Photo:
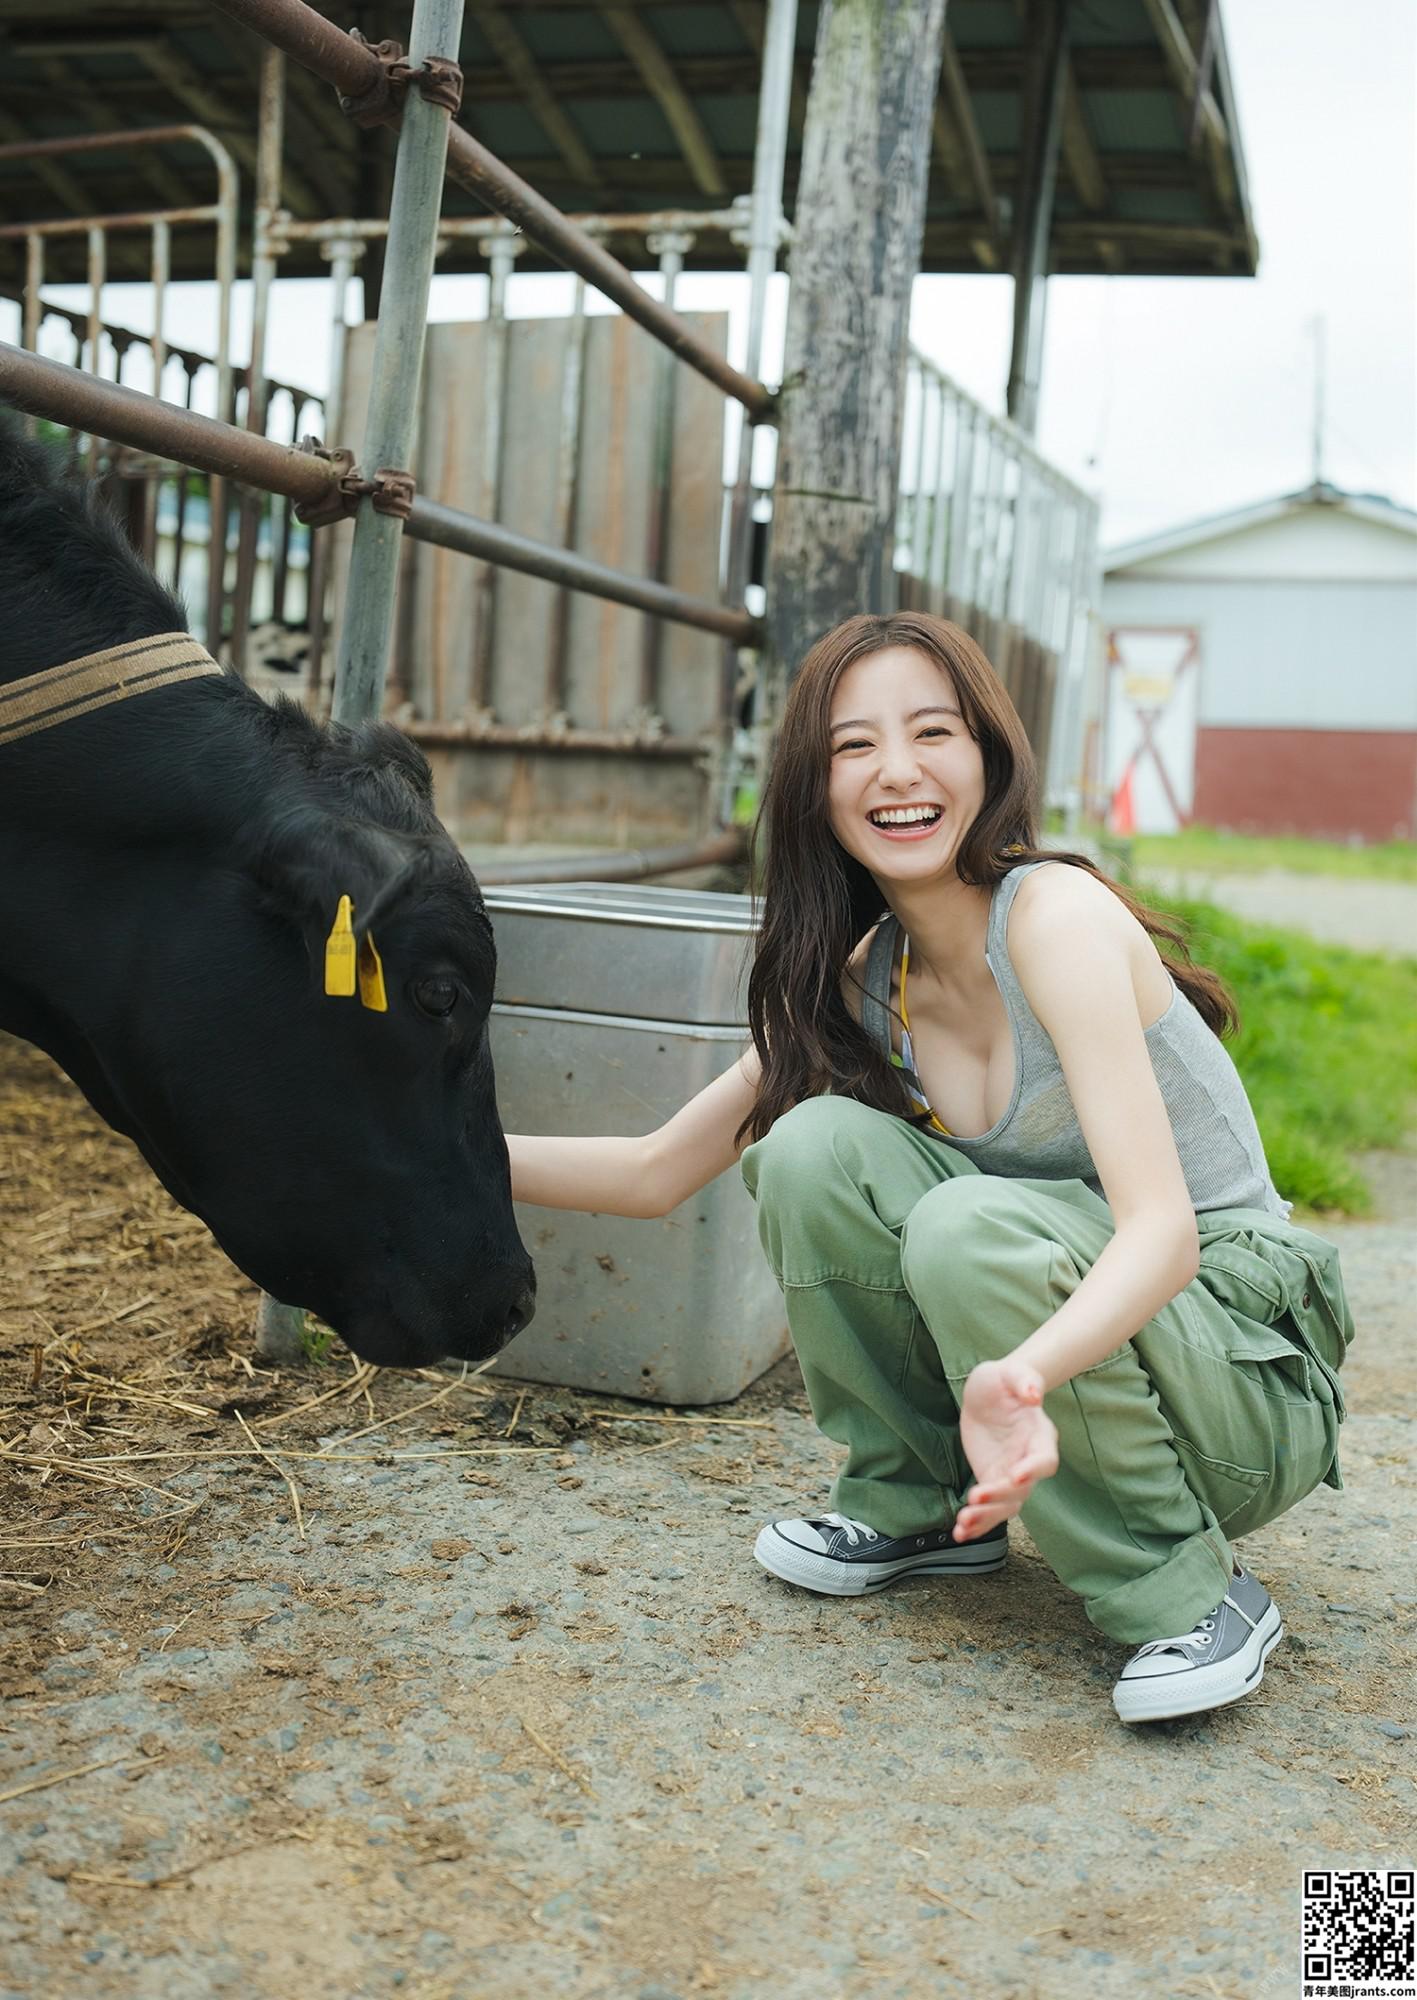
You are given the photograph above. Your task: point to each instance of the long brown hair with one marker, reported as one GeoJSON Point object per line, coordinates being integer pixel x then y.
{"type": "Point", "coordinates": [819, 901]}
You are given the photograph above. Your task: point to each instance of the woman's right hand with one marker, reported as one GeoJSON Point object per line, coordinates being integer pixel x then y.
{"type": "Point", "coordinates": [1009, 1440]}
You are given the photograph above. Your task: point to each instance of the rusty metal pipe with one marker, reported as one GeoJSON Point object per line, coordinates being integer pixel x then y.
{"type": "Point", "coordinates": [508, 736]}
{"type": "Point", "coordinates": [313, 41]}
{"type": "Point", "coordinates": [431, 522]}
{"type": "Point", "coordinates": [49, 389]}
{"type": "Point", "coordinates": [112, 142]}
{"type": "Point", "coordinates": [127, 416]}
{"type": "Point", "coordinates": [80, 225]}
{"type": "Point", "coordinates": [320, 46]}
{"type": "Point", "coordinates": [483, 174]}
{"type": "Point", "coordinates": [629, 865]}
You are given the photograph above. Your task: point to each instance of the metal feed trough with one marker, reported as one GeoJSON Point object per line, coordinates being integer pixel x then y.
{"type": "Point", "coordinates": [683, 1308]}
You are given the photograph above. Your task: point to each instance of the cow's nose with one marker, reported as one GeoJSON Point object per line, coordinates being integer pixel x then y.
{"type": "Point", "coordinates": [522, 1313]}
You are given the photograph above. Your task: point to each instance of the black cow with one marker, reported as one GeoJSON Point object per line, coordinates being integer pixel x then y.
{"type": "Point", "coordinates": [170, 869]}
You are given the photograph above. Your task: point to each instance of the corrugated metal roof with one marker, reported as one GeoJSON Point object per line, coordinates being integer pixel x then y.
{"type": "Point", "coordinates": [1134, 194]}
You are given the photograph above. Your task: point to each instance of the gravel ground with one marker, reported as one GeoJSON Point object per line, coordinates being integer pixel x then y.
{"type": "Point", "coordinates": [1339, 909]}
{"type": "Point", "coordinates": [520, 1715]}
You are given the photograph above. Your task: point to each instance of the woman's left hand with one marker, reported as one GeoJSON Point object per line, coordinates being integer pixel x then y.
{"type": "Point", "coordinates": [1009, 1441]}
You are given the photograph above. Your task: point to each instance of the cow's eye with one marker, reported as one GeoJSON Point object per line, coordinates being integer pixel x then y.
{"type": "Point", "coordinates": [435, 997]}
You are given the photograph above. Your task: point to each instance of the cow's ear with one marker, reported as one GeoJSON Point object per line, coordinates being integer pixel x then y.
{"type": "Point", "coordinates": [309, 860]}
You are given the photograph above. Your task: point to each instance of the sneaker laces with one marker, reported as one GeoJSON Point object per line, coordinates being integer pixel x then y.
{"type": "Point", "coordinates": [1201, 1634]}
{"type": "Point", "coordinates": [854, 1529]}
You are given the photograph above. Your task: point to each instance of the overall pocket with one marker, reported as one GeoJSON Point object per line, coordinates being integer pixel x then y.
{"type": "Point", "coordinates": [1230, 1491]}
{"type": "Point", "coordinates": [1241, 1279]}
{"type": "Point", "coordinates": [1301, 1414]}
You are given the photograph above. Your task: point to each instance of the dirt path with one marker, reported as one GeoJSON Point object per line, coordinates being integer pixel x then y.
{"type": "Point", "coordinates": [1338, 909]}
{"type": "Point", "coordinates": [519, 1715]}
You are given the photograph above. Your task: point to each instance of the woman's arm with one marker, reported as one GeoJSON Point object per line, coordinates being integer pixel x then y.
{"type": "Point", "coordinates": [1074, 948]}
{"type": "Point", "coordinates": [1073, 952]}
{"type": "Point", "coordinates": [644, 1176]}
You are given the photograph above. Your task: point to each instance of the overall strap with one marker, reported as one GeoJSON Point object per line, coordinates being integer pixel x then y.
{"type": "Point", "coordinates": [1035, 1045]}
{"type": "Point", "coordinates": [41, 701]}
{"type": "Point", "coordinates": [876, 1000]}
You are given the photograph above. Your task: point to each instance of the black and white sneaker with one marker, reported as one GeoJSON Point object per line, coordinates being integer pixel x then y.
{"type": "Point", "coordinates": [1220, 1660]}
{"type": "Point", "coordinates": [844, 1558]}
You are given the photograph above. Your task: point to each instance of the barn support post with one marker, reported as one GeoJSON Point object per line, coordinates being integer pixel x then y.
{"type": "Point", "coordinates": [855, 251]}
{"type": "Point", "coordinates": [1033, 216]}
{"type": "Point", "coordinates": [362, 662]}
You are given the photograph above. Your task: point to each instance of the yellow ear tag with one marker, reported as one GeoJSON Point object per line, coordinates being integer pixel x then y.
{"type": "Point", "coordinates": [339, 952]}
{"type": "Point", "coordinates": [371, 978]}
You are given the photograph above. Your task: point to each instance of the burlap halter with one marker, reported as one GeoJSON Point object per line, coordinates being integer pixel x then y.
{"type": "Point", "coordinates": [40, 701]}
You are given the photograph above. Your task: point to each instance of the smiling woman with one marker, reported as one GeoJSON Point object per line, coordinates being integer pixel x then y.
{"type": "Point", "coordinates": [1010, 1184]}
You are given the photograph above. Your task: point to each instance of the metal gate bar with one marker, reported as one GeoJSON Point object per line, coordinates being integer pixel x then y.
{"type": "Point", "coordinates": [126, 416]}
{"type": "Point", "coordinates": [356, 73]}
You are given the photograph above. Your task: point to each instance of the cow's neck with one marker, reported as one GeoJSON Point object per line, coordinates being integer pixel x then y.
{"type": "Point", "coordinates": [187, 763]}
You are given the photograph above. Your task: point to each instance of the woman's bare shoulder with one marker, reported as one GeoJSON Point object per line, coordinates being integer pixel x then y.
{"type": "Point", "coordinates": [1061, 895]}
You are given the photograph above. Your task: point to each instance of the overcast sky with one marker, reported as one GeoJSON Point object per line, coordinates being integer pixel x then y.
{"type": "Point", "coordinates": [1169, 397]}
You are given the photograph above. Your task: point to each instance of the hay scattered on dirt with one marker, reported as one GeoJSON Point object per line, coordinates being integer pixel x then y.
{"type": "Point", "coordinates": [127, 1356]}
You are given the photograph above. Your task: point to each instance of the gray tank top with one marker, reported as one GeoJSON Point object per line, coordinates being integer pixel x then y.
{"type": "Point", "coordinates": [1039, 1138]}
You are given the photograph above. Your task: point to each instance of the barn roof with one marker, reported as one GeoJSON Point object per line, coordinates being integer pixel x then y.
{"type": "Point", "coordinates": [646, 106]}
{"type": "Point", "coordinates": [1370, 507]}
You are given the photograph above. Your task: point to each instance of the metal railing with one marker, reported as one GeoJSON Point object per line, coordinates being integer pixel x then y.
{"type": "Point", "coordinates": [163, 523]}
{"type": "Point", "coordinates": [220, 215]}
{"type": "Point", "coordinates": [996, 538]}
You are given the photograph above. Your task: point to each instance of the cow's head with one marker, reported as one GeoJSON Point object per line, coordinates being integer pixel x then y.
{"type": "Point", "coordinates": [347, 1157]}
{"type": "Point", "coordinates": [170, 871]}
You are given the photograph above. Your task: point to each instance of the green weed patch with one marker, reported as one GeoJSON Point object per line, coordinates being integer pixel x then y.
{"type": "Point", "coordinates": [1326, 1049]}
{"type": "Point", "coordinates": [1203, 850]}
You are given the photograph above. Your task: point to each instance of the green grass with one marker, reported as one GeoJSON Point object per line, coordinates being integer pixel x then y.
{"type": "Point", "coordinates": [316, 1341]}
{"type": "Point", "coordinates": [1326, 1049]}
{"type": "Point", "coordinates": [1203, 850]}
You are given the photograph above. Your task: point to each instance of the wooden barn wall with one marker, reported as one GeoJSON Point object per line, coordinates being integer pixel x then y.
{"type": "Point", "coordinates": [439, 599]}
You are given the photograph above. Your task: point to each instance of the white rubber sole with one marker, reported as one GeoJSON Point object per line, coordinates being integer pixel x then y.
{"type": "Point", "coordinates": [1191, 1692]}
{"type": "Point", "coordinates": [830, 1578]}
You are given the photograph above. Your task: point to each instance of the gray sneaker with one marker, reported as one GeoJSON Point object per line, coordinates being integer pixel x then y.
{"type": "Point", "coordinates": [1220, 1660]}
{"type": "Point", "coordinates": [844, 1558]}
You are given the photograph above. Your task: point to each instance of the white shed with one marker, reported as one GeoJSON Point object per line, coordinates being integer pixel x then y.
{"type": "Point", "coordinates": [1262, 671]}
